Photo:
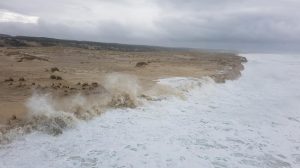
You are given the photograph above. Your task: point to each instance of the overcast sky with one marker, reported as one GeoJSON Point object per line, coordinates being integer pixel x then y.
{"type": "Point", "coordinates": [224, 24]}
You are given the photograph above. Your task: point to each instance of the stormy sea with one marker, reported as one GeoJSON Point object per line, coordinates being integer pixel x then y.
{"type": "Point", "coordinates": [250, 122]}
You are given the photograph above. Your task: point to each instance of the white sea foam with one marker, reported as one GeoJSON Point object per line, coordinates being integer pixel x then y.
{"type": "Point", "coordinates": [250, 122]}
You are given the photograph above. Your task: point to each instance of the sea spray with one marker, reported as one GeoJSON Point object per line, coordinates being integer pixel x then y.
{"type": "Point", "coordinates": [236, 124]}
{"type": "Point", "coordinates": [124, 89]}
{"type": "Point", "coordinates": [52, 113]}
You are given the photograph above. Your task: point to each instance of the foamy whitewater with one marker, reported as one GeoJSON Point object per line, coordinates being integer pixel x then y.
{"type": "Point", "coordinates": [250, 122]}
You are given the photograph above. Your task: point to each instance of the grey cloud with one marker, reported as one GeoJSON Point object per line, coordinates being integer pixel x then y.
{"type": "Point", "coordinates": [227, 24]}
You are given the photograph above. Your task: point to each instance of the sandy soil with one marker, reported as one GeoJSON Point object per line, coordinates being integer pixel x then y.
{"type": "Point", "coordinates": [66, 71]}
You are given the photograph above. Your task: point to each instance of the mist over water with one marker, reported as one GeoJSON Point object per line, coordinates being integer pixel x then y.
{"type": "Point", "coordinates": [250, 122]}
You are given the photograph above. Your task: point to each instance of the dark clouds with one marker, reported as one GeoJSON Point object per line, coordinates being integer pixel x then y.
{"type": "Point", "coordinates": [226, 24]}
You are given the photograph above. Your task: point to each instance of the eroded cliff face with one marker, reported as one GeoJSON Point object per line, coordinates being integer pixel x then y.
{"type": "Point", "coordinates": [82, 83]}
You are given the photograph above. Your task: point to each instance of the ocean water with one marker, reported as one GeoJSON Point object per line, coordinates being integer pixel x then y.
{"type": "Point", "coordinates": [246, 123]}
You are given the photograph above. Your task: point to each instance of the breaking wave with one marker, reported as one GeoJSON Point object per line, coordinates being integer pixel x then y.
{"type": "Point", "coordinates": [250, 122]}
{"type": "Point", "coordinates": [51, 114]}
